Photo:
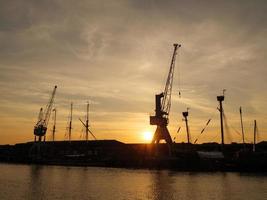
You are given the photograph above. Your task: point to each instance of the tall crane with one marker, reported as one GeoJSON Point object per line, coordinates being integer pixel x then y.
{"type": "Point", "coordinates": [41, 126]}
{"type": "Point", "coordinates": [163, 105]}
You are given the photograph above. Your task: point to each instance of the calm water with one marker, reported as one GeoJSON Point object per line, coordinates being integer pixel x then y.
{"type": "Point", "coordinates": [57, 182]}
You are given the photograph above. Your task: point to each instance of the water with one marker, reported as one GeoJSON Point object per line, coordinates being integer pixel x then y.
{"type": "Point", "coordinates": [59, 182]}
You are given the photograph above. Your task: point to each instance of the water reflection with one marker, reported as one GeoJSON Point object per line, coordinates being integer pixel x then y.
{"type": "Point", "coordinates": [56, 182]}
{"type": "Point", "coordinates": [36, 189]}
{"type": "Point", "coordinates": [162, 185]}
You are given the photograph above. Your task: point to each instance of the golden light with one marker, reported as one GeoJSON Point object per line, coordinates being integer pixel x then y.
{"type": "Point", "coordinates": [147, 136]}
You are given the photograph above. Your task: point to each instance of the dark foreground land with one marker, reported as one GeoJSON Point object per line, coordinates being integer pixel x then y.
{"type": "Point", "coordinates": [111, 153]}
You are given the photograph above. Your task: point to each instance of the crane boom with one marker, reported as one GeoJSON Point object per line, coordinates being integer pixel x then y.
{"type": "Point", "coordinates": [166, 101]}
{"type": "Point", "coordinates": [48, 108]}
{"type": "Point", "coordinates": [40, 116]}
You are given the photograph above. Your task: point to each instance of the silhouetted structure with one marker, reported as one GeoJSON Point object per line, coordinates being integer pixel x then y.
{"type": "Point", "coordinates": [41, 126]}
{"type": "Point", "coordinates": [242, 127]}
{"type": "Point", "coordinates": [221, 99]}
{"type": "Point", "coordinates": [54, 125]}
{"type": "Point", "coordinates": [111, 153]}
{"type": "Point", "coordinates": [255, 137]}
{"type": "Point", "coordinates": [163, 104]}
{"type": "Point", "coordinates": [70, 122]}
{"type": "Point", "coordinates": [86, 124]}
{"type": "Point", "coordinates": [185, 115]}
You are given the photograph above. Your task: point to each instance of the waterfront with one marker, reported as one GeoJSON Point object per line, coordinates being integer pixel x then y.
{"type": "Point", "coordinates": [60, 182]}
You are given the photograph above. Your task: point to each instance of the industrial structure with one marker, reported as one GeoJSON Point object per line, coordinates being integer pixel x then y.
{"type": "Point", "coordinates": [41, 126]}
{"type": "Point", "coordinates": [220, 99]}
{"type": "Point", "coordinates": [163, 105]}
{"type": "Point", "coordinates": [185, 115]}
{"type": "Point", "coordinates": [208, 156]}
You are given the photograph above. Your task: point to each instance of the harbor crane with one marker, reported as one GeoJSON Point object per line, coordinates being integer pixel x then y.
{"type": "Point", "coordinates": [163, 105]}
{"type": "Point", "coordinates": [41, 126]}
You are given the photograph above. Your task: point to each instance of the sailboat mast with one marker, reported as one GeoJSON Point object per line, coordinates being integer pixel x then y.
{"type": "Point", "coordinates": [87, 121]}
{"type": "Point", "coordinates": [70, 123]}
{"type": "Point", "coordinates": [242, 127]}
{"type": "Point", "coordinates": [255, 130]}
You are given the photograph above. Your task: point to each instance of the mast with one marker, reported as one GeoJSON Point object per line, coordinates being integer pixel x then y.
{"type": "Point", "coordinates": [87, 121]}
{"type": "Point", "coordinates": [254, 141]}
{"type": "Point", "coordinates": [86, 124]}
{"type": "Point", "coordinates": [54, 125]}
{"type": "Point", "coordinates": [242, 127]}
{"type": "Point", "coordinates": [70, 122]}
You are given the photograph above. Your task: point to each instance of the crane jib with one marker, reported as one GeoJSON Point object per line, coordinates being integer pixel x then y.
{"type": "Point", "coordinates": [166, 101]}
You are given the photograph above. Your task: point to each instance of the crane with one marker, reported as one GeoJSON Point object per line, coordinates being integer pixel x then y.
{"type": "Point", "coordinates": [163, 105]}
{"type": "Point", "coordinates": [41, 126]}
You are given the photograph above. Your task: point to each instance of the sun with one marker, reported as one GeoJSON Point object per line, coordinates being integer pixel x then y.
{"type": "Point", "coordinates": [147, 136]}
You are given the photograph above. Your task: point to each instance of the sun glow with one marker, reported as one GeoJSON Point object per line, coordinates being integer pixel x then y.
{"type": "Point", "coordinates": [147, 136]}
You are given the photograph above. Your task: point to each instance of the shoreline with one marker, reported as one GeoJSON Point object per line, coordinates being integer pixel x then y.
{"type": "Point", "coordinates": [111, 153]}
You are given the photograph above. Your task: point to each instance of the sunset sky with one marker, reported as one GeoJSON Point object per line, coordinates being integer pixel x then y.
{"type": "Point", "coordinates": [116, 54]}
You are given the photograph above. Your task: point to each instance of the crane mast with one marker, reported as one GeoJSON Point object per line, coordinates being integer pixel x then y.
{"type": "Point", "coordinates": [163, 105]}
{"type": "Point", "coordinates": [41, 126]}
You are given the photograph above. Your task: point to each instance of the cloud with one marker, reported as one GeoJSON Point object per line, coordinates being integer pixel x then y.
{"type": "Point", "coordinates": [117, 55]}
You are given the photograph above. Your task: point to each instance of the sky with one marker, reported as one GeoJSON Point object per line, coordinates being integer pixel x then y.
{"type": "Point", "coordinates": [116, 55]}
